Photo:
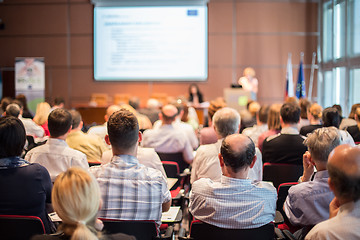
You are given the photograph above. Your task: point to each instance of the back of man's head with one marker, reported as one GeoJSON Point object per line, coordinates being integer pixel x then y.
{"type": "Point", "coordinates": [344, 172]}
{"type": "Point", "coordinates": [12, 110]}
{"type": "Point", "coordinates": [237, 151]}
{"type": "Point", "coordinates": [290, 113]}
{"type": "Point", "coordinates": [226, 121]}
{"type": "Point", "coordinates": [4, 102]}
{"type": "Point", "coordinates": [263, 114]}
{"type": "Point", "coordinates": [110, 110]}
{"type": "Point", "coordinates": [169, 113]}
{"type": "Point", "coordinates": [134, 102]}
{"type": "Point", "coordinates": [76, 118]}
{"type": "Point", "coordinates": [331, 117]}
{"type": "Point", "coordinates": [12, 137]}
{"type": "Point", "coordinates": [123, 130]}
{"type": "Point", "coordinates": [59, 122]}
{"type": "Point", "coordinates": [322, 141]}
{"type": "Point", "coordinates": [58, 101]}
{"type": "Point", "coordinates": [152, 103]}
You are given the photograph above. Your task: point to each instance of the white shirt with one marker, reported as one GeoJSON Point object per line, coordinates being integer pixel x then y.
{"type": "Point", "coordinates": [346, 138]}
{"type": "Point", "coordinates": [100, 131]}
{"type": "Point", "coordinates": [345, 225]}
{"type": "Point", "coordinates": [168, 139]}
{"type": "Point", "coordinates": [146, 156]}
{"type": "Point", "coordinates": [56, 156]}
{"type": "Point", "coordinates": [233, 203]}
{"type": "Point", "coordinates": [206, 164]}
{"type": "Point", "coordinates": [31, 128]}
{"type": "Point", "coordinates": [255, 131]}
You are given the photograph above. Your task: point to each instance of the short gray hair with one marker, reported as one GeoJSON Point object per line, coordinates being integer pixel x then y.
{"type": "Point", "coordinates": [322, 141]}
{"type": "Point", "coordinates": [226, 121]}
{"type": "Point", "coordinates": [12, 110]}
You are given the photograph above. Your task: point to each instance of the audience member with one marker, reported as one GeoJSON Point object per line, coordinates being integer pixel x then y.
{"type": "Point", "coordinates": [130, 191]}
{"type": "Point", "coordinates": [286, 147]}
{"type": "Point", "coordinates": [236, 202]}
{"type": "Point", "coordinates": [314, 114]}
{"type": "Point", "coordinates": [31, 128]}
{"type": "Point", "coordinates": [273, 123]}
{"type": "Point", "coordinates": [152, 110]}
{"type": "Point", "coordinates": [4, 102]}
{"type": "Point", "coordinates": [12, 110]}
{"type": "Point", "coordinates": [25, 187]}
{"type": "Point", "coordinates": [26, 112]}
{"type": "Point", "coordinates": [90, 145]}
{"type": "Point", "coordinates": [355, 130]}
{"type": "Point", "coordinates": [350, 121]}
{"type": "Point", "coordinates": [59, 102]}
{"type": "Point", "coordinates": [195, 96]}
{"type": "Point", "coordinates": [41, 116]}
{"type": "Point", "coordinates": [144, 121]}
{"type": "Point", "coordinates": [248, 116]}
{"type": "Point", "coordinates": [331, 118]}
{"type": "Point", "coordinates": [101, 130]}
{"type": "Point", "coordinates": [308, 202]}
{"type": "Point", "coordinates": [77, 210]}
{"type": "Point", "coordinates": [208, 134]}
{"type": "Point", "coordinates": [56, 156]}
{"type": "Point", "coordinates": [304, 104]}
{"type": "Point", "coordinates": [168, 138]}
{"type": "Point", "coordinates": [344, 181]}
{"type": "Point", "coordinates": [260, 127]}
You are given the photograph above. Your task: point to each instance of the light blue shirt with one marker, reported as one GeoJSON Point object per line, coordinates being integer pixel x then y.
{"type": "Point", "coordinates": [308, 203]}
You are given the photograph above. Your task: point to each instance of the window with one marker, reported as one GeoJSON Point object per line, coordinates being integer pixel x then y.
{"type": "Point", "coordinates": [355, 86]}
{"type": "Point", "coordinates": [327, 32]}
{"type": "Point", "coordinates": [354, 27]}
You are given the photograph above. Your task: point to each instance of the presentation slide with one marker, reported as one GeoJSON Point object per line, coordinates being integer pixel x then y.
{"type": "Point", "coordinates": [150, 43]}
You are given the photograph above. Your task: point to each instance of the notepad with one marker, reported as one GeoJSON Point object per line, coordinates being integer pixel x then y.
{"type": "Point", "coordinates": [171, 214]}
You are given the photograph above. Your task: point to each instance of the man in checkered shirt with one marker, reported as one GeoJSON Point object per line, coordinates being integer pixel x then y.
{"type": "Point", "coordinates": [129, 190]}
{"type": "Point", "coordinates": [236, 202]}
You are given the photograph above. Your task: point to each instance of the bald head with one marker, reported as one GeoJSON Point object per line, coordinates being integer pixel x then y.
{"type": "Point", "coordinates": [110, 110]}
{"type": "Point", "coordinates": [168, 113]}
{"type": "Point", "coordinates": [344, 172]}
{"type": "Point", "coordinates": [237, 151]}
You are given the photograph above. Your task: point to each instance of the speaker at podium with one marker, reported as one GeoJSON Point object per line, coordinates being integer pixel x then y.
{"type": "Point", "coordinates": [237, 98]}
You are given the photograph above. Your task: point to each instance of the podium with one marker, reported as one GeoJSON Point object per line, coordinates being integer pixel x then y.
{"type": "Point", "coordinates": [237, 98]}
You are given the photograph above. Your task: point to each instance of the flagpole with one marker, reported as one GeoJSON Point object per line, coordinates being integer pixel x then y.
{"type": "Point", "coordinates": [312, 75]}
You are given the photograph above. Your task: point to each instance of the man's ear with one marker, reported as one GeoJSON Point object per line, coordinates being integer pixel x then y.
{"type": "Point", "coordinates": [221, 160]}
{"type": "Point", "coordinates": [81, 124]}
{"type": "Point", "coordinates": [107, 139]}
{"type": "Point", "coordinates": [69, 129]}
{"type": "Point", "coordinates": [253, 162]}
{"type": "Point", "coordinates": [331, 185]}
{"type": "Point", "coordinates": [140, 137]}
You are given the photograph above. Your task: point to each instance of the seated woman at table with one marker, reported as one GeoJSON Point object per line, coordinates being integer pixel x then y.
{"type": "Point", "coordinates": [195, 96]}
{"type": "Point", "coordinates": [25, 187]}
{"type": "Point", "coordinates": [76, 199]}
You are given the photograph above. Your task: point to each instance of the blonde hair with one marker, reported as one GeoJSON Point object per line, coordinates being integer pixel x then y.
{"type": "Point", "coordinates": [249, 71]}
{"type": "Point", "coordinates": [357, 117]}
{"type": "Point", "coordinates": [76, 199]}
{"type": "Point", "coordinates": [42, 113]}
{"type": "Point", "coordinates": [274, 117]}
{"type": "Point", "coordinates": [315, 110]}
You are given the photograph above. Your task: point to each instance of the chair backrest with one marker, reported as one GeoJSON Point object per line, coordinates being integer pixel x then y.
{"type": "Point", "coordinates": [171, 169]}
{"type": "Point", "coordinates": [174, 157]}
{"type": "Point", "coordinates": [280, 173]}
{"type": "Point", "coordinates": [282, 194]}
{"type": "Point", "coordinates": [203, 231]}
{"type": "Point", "coordinates": [20, 227]}
{"type": "Point", "coordinates": [142, 230]}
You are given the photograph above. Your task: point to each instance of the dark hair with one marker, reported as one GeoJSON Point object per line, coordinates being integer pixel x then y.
{"type": "Point", "coordinates": [198, 93]}
{"type": "Point", "coordinates": [347, 186]}
{"type": "Point", "coordinates": [59, 122]}
{"type": "Point", "coordinates": [353, 110]}
{"type": "Point", "coordinates": [331, 117]}
{"type": "Point", "coordinates": [134, 102]}
{"type": "Point", "coordinates": [76, 118]}
{"type": "Point", "coordinates": [290, 113]}
{"type": "Point", "coordinates": [304, 105]}
{"type": "Point", "coordinates": [338, 107]}
{"type": "Point", "coordinates": [263, 113]}
{"type": "Point", "coordinates": [19, 103]}
{"type": "Point", "coordinates": [12, 137]}
{"type": "Point", "coordinates": [12, 110]}
{"type": "Point", "coordinates": [59, 100]}
{"type": "Point", "coordinates": [237, 160]}
{"type": "Point", "coordinates": [123, 129]}
{"type": "Point", "coordinates": [4, 102]}
{"type": "Point", "coordinates": [22, 99]}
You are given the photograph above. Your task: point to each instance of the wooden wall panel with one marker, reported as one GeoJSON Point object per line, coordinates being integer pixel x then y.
{"type": "Point", "coordinates": [220, 50]}
{"type": "Point", "coordinates": [81, 19]}
{"type": "Point", "coordinates": [220, 17]}
{"type": "Point", "coordinates": [82, 51]}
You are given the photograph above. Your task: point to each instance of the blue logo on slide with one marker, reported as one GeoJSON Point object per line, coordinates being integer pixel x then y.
{"type": "Point", "coordinates": [192, 12]}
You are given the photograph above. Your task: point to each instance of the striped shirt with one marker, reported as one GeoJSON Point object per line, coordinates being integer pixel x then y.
{"type": "Point", "coordinates": [233, 203]}
{"type": "Point", "coordinates": [131, 191]}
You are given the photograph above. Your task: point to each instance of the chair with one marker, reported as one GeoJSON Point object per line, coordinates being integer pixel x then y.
{"type": "Point", "coordinates": [91, 164]}
{"type": "Point", "coordinates": [203, 231]}
{"type": "Point", "coordinates": [278, 173]}
{"type": "Point", "coordinates": [282, 194]}
{"type": "Point", "coordinates": [142, 230]}
{"type": "Point", "coordinates": [174, 157]}
{"type": "Point", "coordinates": [20, 227]}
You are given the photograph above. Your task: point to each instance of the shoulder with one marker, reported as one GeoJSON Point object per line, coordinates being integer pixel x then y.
{"type": "Point", "coordinates": [265, 186]}
{"type": "Point", "coordinates": [272, 137]}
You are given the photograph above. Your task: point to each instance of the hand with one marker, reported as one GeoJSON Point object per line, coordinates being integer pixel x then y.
{"type": "Point", "coordinates": [334, 207]}
{"type": "Point", "coordinates": [98, 225]}
{"type": "Point", "coordinates": [308, 167]}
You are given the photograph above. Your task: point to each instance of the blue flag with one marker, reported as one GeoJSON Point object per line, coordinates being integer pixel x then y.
{"type": "Point", "coordinates": [300, 86]}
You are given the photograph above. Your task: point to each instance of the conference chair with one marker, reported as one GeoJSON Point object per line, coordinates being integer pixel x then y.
{"type": "Point", "coordinates": [174, 157]}
{"type": "Point", "coordinates": [19, 227]}
{"type": "Point", "coordinates": [204, 231]}
{"type": "Point", "coordinates": [142, 230]}
{"type": "Point", "coordinates": [278, 173]}
{"type": "Point", "coordinates": [283, 190]}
